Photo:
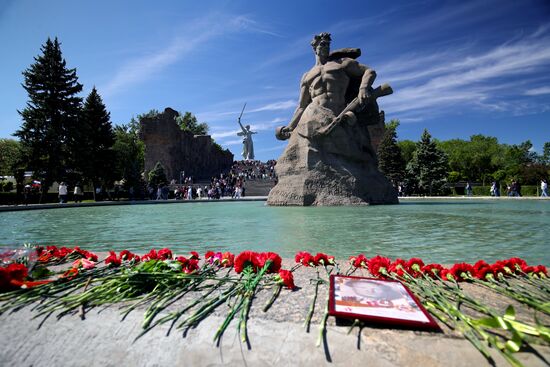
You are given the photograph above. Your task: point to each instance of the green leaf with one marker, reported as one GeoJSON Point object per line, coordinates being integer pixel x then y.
{"type": "Point", "coordinates": [41, 272]}
{"type": "Point", "coordinates": [514, 344]}
{"type": "Point", "coordinates": [510, 313]}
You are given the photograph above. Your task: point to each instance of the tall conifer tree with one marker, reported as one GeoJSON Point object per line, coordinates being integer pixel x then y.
{"type": "Point", "coordinates": [390, 158]}
{"type": "Point", "coordinates": [50, 115]}
{"type": "Point", "coordinates": [93, 146]}
{"type": "Point", "coordinates": [428, 166]}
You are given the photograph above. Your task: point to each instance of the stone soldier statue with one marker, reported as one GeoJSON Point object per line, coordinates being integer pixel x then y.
{"type": "Point", "coordinates": [248, 144]}
{"type": "Point", "coordinates": [329, 159]}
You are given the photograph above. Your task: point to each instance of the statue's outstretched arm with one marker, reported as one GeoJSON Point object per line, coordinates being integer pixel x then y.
{"type": "Point", "coordinates": [305, 100]}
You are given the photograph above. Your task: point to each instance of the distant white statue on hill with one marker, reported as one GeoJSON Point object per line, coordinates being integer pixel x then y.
{"type": "Point", "coordinates": [246, 133]}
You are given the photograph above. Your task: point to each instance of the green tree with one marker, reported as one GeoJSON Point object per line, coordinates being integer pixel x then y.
{"type": "Point", "coordinates": [157, 176]}
{"type": "Point", "coordinates": [129, 152]}
{"type": "Point", "coordinates": [546, 153]}
{"type": "Point", "coordinates": [428, 166]}
{"type": "Point", "coordinates": [93, 146]}
{"type": "Point", "coordinates": [10, 156]}
{"type": "Point", "coordinates": [390, 159]}
{"type": "Point", "coordinates": [151, 114]}
{"type": "Point", "coordinates": [51, 114]}
{"type": "Point", "coordinates": [407, 149]}
{"type": "Point", "coordinates": [188, 122]}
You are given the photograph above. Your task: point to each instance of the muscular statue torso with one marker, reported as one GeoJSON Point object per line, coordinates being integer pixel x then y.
{"type": "Point", "coordinates": [327, 84]}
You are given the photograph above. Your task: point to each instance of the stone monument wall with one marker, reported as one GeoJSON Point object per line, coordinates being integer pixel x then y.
{"type": "Point", "coordinates": [179, 150]}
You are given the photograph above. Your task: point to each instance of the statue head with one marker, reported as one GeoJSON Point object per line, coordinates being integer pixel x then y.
{"type": "Point", "coordinates": [321, 44]}
{"type": "Point", "coordinates": [247, 127]}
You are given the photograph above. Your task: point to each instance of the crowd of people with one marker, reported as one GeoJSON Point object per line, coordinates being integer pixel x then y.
{"type": "Point", "coordinates": [231, 184]}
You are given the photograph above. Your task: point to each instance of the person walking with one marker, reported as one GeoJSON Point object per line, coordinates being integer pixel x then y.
{"type": "Point", "coordinates": [469, 189]}
{"type": "Point", "coordinates": [63, 193]}
{"type": "Point", "coordinates": [77, 193]}
{"type": "Point", "coordinates": [543, 188]}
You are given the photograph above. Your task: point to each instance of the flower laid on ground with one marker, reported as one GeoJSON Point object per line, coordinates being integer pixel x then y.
{"type": "Point", "coordinates": [226, 259]}
{"type": "Point", "coordinates": [53, 255]}
{"type": "Point", "coordinates": [438, 287]}
{"type": "Point", "coordinates": [320, 259]}
{"type": "Point", "coordinates": [157, 279]}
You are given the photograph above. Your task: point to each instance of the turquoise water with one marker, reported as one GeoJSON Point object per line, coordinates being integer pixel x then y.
{"type": "Point", "coordinates": [436, 231]}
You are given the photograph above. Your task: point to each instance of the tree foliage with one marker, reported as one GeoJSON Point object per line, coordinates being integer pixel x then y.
{"type": "Point", "coordinates": [157, 176]}
{"type": "Point", "coordinates": [390, 159]}
{"type": "Point", "coordinates": [188, 122]}
{"type": "Point", "coordinates": [93, 147]}
{"type": "Point", "coordinates": [428, 166]}
{"type": "Point", "coordinates": [10, 156]}
{"type": "Point", "coordinates": [51, 115]}
{"type": "Point", "coordinates": [129, 151]}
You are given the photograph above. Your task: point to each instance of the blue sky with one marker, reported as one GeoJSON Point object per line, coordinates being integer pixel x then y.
{"type": "Point", "coordinates": [458, 68]}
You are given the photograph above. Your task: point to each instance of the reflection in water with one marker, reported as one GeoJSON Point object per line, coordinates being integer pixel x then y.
{"type": "Point", "coordinates": [436, 231]}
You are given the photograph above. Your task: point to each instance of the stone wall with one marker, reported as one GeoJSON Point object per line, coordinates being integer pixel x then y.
{"type": "Point", "coordinates": [179, 150]}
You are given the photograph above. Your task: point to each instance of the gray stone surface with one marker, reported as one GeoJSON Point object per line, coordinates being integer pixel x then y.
{"type": "Point", "coordinates": [330, 158]}
{"type": "Point", "coordinates": [179, 150]}
{"type": "Point", "coordinates": [277, 338]}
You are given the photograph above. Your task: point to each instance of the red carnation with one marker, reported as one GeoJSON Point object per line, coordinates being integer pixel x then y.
{"type": "Point", "coordinates": [195, 255]}
{"type": "Point", "coordinates": [209, 254]}
{"type": "Point", "coordinates": [432, 270]}
{"type": "Point", "coordinates": [515, 264]}
{"type": "Point", "coordinates": [112, 259]}
{"type": "Point", "coordinates": [359, 261]}
{"type": "Point", "coordinates": [447, 275]}
{"type": "Point", "coordinates": [462, 271]}
{"type": "Point", "coordinates": [498, 270]}
{"type": "Point", "coordinates": [378, 266]}
{"type": "Point", "coordinates": [191, 266]}
{"type": "Point", "coordinates": [541, 271]}
{"type": "Point", "coordinates": [275, 259]}
{"type": "Point", "coordinates": [321, 259]}
{"type": "Point", "coordinates": [305, 258]}
{"type": "Point", "coordinates": [165, 254]}
{"type": "Point", "coordinates": [151, 255]}
{"type": "Point", "coordinates": [286, 277]}
{"type": "Point", "coordinates": [399, 267]}
{"type": "Point", "coordinates": [415, 266]}
{"type": "Point", "coordinates": [17, 271]}
{"type": "Point", "coordinates": [182, 259]}
{"type": "Point", "coordinates": [480, 264]}
{"type": "Point", "coordinates": [246, 258]}
{"type": "Point", "coordinates": [484, 273]}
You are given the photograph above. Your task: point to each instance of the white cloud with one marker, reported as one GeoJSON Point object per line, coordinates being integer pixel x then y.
{"type": "Point", "coordinates": [537, 91]}
{"type": "Point", "coordinates": [277, 106]}
{"type": "Point", "coordinates": [193, 36]}
{"type": "Point", "coordinates": [486, 80]}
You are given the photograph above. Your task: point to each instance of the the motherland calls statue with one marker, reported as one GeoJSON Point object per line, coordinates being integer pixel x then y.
{"type": "Point", "coordinates": [248, 144]}
{"type": "Point", "coordinates": [329, 159]}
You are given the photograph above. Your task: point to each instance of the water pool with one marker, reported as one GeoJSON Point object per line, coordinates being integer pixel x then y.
{"type": "Point", "coordinates": [435, 230]}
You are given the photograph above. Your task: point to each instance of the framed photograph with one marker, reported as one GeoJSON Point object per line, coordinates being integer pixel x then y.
{"type": "Point", "coordinates": [378, 301]}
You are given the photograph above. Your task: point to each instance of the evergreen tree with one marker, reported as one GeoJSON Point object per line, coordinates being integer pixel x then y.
{"type": "Point", "coordinates": [157, 176]}
{"type": "Point", "coordinates": [428, 166]}
{"type": "Point", "coordinates": [50, 115]}
{"type": "Point", "coordinates": [93, 143]}
{"type": "Point", "coordinates": [390, 159]}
